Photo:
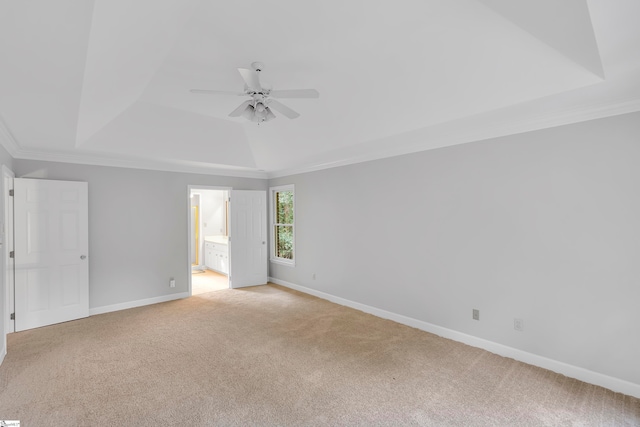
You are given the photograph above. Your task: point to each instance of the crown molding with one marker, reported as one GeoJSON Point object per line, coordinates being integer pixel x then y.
{"type": "Point", "coordinates": [132, 163]}
{"type": "Point", "coordinates": [461, 135]}
{"type": "Point", "coordinates": [10, 144]}
{"type": "Point", "coordinates": [7, 140]}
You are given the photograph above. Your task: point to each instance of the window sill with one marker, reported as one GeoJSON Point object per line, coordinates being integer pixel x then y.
{"type": "Point", "coordinates": [282, 261]}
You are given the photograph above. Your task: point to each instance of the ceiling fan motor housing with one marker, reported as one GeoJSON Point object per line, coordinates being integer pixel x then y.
{"type": "Point", "coordinates": [258, 108]}
{"type": "Point", "coordinates": [258, 66]}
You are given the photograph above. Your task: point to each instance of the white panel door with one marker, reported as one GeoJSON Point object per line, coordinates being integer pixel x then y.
{"type": "Point", "coordinates": [51, 248]}
{"type": "Point", "coordinates": [248, 238]}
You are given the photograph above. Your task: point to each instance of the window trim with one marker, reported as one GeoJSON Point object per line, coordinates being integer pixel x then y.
{"type": "Point", "coordinates": [272, 216]}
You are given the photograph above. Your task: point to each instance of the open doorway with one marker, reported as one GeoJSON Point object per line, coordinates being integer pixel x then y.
{"type": "Point", "coordinates": [208, 239]}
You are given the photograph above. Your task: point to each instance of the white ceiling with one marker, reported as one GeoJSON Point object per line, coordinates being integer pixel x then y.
{"type": "Point", "coordinates": [107, 81]}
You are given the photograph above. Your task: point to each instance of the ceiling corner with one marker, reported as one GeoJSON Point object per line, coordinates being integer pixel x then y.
{"type": "Point", "coordinates": [564, 25]}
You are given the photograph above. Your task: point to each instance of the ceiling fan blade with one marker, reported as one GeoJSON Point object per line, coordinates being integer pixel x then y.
{"type": "Point", "coordinates": [249, 113]}
{"type": "Point", "coordinates": [295, 93]}
{"type": "Point", "coordinates": [288, 112]}
{"type": "Point", "coordinates": [217, 92]}
{"type": "Point", "coordinates": [251, 79]}
{"type": "Point", "coordinates": [238, 111]}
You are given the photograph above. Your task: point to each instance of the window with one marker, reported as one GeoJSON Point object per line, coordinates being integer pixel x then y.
{"type": "Point", "coordinates": [282, 225]}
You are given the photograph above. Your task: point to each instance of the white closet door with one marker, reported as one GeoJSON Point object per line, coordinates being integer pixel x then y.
{"type": "Point", "coordinates": [248, 238]}
{"type": "Point", "coordinates": [51, 249]}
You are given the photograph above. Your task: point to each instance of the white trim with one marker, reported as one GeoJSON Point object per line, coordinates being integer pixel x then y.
{"type": "Point", "coordinates": [98, 159]}
{"type": "Point", "coordinates": [7, 139]}
{"type": "Point", "coordinates": [7, 247]}
{"type": "Point", "coordinates": [548, 119]}
{"type": "Point", "coordinates": [138, 303]}
{"type": "Point", "coordinates": [272, 246]}
{"type": "Point", "coordinates": [283, 261]}
{"type": "Point", "coordinates": [615, 384]}
{"type": "Point", "coordinates": [447, 138]}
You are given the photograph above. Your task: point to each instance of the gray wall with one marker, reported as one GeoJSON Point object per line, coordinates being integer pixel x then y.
{"type": "Point", "coordinates": [542, 226]}
{"type": "Point", "coordinates": [138, 235]}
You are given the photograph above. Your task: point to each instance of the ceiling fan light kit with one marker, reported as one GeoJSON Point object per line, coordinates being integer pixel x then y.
{"type": "Point", "coordinates": [259, 108]}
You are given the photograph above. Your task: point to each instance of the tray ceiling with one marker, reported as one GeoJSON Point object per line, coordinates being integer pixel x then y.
{"type": "Point", "coordinates": [107, 82]}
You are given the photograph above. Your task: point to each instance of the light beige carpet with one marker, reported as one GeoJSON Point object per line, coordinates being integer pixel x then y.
{"type": "Point", "coordinates": [270, 356]}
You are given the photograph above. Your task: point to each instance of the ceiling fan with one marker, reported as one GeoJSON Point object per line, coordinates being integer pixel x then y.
{"type": "Point", "coordinates": [258, 108]}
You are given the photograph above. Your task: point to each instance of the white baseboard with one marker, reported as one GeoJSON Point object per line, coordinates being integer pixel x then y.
{"type": "Point", "coordinates": [3, 354]}
{"type": "Point", "coordinates": [611, 383]}
{"type": "Point", "coordinates": [138, 303]}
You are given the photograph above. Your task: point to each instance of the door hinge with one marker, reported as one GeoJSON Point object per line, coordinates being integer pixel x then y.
{"type": "Point", "coordinates": [12, 254]}
{"type": "Point", "coordinates": [13, 316]}
{"type": "Point", "coordinates": [11, 192]}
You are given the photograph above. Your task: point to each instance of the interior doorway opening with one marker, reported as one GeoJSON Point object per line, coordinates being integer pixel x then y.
{"type": "Point", "coordinates": [208, 239]}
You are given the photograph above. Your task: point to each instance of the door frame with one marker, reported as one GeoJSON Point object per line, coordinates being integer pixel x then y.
{"type": "Point", "coordinates": [190, 188]}
{"type": "Point", "coordinates": [8, 268]}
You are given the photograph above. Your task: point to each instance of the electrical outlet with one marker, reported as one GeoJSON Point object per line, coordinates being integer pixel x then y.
{"type": "Point", "coordinates": [172, 283]}
{"type": "Point", "coordinates": [518, 325]}
{"type": "Point", "coordinates": [313, 276]}
{"type": "Point", "coordinates": [476, 314]}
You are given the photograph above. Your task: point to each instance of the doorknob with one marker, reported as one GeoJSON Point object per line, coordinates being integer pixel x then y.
{"type": "Point", "coordinates": [83, 257]}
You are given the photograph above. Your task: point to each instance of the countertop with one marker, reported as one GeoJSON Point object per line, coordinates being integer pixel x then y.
{"type": "Point", "coordinates": [223, 240]}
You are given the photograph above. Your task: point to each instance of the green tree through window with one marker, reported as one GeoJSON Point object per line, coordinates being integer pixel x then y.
{"type": "Point", "coordinates": [283, 223]}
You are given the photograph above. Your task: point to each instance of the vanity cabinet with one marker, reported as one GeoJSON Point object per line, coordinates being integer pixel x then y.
{"type": "Point", "coordinates": [216, 257]}
{"type": "Point", "coordinates": [209, 260]}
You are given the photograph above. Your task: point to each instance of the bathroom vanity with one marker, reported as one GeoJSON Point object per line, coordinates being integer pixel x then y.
{"type": "Point", "coordinates": [216, 253]}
